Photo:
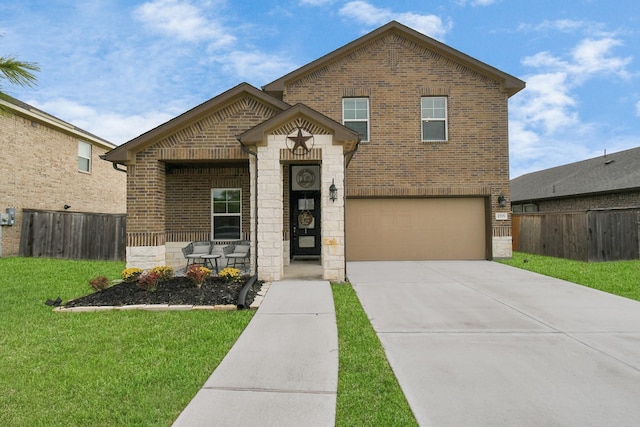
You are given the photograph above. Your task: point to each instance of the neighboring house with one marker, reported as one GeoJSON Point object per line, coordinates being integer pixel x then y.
{"type": "Point", "coordinates": [608, 181]}
{"type": "Point", "coordinates": [47, 164]}
{"type": "Point", "coordinates": [410, 134]}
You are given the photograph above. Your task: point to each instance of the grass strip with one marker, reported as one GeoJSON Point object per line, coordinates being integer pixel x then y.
{"type": "Point", "coordinates": [616, 277]}
{"type": "Point", "coordinates": [368, 391]}
{"type": "Point", "coordinates": [100, 369]}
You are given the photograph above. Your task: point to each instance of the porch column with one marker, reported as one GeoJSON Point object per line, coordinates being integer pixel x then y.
{"type": "Point", "coordinates": [333, 219]}
{"type": "Point", "coordinates": [146, 189]}
{"type": "Point", "coordinates": [269, 204]}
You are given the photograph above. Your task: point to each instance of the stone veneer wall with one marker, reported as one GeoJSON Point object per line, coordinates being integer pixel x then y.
{"type": "Point", "coordinates": [333, 214]}
{"type": "Point", "coordinates": [269, 205]}
{"type": "Point", "coordinates": [502, 247]}
{"type": "Point", "coordinates": [272, 249]}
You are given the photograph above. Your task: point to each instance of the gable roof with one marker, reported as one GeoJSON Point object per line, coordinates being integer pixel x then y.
{"type": "Point", "coordinates": [126, 151]}
{"type": "Point", "coordinates": [32, 113]}
{"type": "Point", "coordinates": [614, 172]}
{"type": "Point", "coordinates": [349, 138]}
{"type": "Point", "coordinates": [510, 84]}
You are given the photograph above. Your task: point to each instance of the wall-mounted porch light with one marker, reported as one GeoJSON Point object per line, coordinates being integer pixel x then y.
{"type": "Point", "coordinates": [333, 191]}
{"type": "Point", "coordinates": [502, 201]}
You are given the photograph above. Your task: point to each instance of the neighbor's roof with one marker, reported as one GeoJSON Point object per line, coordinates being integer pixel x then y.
{"type": "Point", "coordinates": [25, 110]}
{"type": "Point", "coordinates": [510, 84]}
{"type": "Point", "coordinates": [614, 172]}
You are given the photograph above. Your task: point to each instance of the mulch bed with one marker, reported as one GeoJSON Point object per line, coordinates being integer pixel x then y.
{"type": "Point", "coordinates": [175, 291]}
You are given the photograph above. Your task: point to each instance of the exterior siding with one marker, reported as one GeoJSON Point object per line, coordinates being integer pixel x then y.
{"type": "Point", "coordinates": [39, 170]}
{"type": "Point", "coordinates": [394, 73]}
{"type": "Point", "coordinates": [188, 206]}
{"type": "Point", "coordinates": [169, 186]}
{"type": "Point", "coordinates": [601, 201]}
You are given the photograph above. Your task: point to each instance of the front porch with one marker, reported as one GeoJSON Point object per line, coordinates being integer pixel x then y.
{"type": "Point", "coordinates": [195, 178]}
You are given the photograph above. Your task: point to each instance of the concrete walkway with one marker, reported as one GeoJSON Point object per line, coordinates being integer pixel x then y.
{"type": "Point", "coordinates": [282, 371]}
{"type": "Point", "coordinates": [482, 344]}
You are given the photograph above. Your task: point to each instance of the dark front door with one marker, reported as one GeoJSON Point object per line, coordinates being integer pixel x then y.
{"type": "Point", "coordinates": [305, 211]}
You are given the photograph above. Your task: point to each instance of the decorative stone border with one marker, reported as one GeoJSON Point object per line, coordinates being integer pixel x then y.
{"type": "Point", "coordinates": [166, 307]}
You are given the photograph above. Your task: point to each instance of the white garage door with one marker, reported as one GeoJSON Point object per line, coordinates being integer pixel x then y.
{"type": "Point", "coordinates": [416, 229]}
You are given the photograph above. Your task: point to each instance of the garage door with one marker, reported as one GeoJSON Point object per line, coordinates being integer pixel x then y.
{"type": "Point", "coordinates": [415, 229]}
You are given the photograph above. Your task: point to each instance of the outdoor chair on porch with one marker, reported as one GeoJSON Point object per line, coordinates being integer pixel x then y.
{"type": "Point", "coordinates": [237, 253]}
{"type": "Point", "coordinates": [194, 252]}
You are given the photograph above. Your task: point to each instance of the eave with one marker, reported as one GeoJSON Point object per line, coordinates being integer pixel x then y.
{"type": "Point", "coordinates": [126, 153]}
{"type": "Point", "coordinates": [341, 134]}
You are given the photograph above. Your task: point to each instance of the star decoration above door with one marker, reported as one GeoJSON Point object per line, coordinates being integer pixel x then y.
{"type": "Point", "coordinates": [300, 142]}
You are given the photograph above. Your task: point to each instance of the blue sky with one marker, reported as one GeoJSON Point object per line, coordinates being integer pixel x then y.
{"type": "Point", "coordinates": [118, 68]}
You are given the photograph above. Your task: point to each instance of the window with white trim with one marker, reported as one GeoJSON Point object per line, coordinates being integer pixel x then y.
{"type": "Point", "coordinates": [355, 116]}
{"type": "Point", "coordinates": [84, 156]}
{"type": "Point", "coordinates": [434, 118]}
{"type": "Point", "coordinates": [226, 213]}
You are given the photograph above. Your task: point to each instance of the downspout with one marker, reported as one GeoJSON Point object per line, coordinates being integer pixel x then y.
{"type": "Point", "coordinates": [114, 164]}
{"type": "Point", "coordinates": [254, 154]}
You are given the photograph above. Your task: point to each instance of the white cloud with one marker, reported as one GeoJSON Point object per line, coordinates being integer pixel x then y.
{"type": "Point", "coordinates": [546, 104]}
{"type": "Point", "coordinates": [546, 129]}
{"type": "Point", "coordinates": [115, 128]}
{"type": "Point", "coordinates": [593, 57]}
{"type": "Point", "coordinates": [368, 14]}
{"type": "Point", "coordinates": [638, 108]}
{"type": "Point", "coordinates": [255, 67]}
{"type": "Point", "coordinates": [183, 20]}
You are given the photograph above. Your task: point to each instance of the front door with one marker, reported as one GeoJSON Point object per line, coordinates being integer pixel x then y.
{"type": "Point", "coordinates": [305, 211]}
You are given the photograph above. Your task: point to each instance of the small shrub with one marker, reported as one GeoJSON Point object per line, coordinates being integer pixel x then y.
{"type": "Point", "coordinates": [148, 281]}
{"type": "Point", "coordinates": [99, 283]}
{"type": "Point", "coordinates": [229, 273]}
{"type": "Point", "coordinates": [131, 274]}
{"type": "Point", "coordinates": [164, 272]}
{"type": "Point", "coordinates": [198, 274]}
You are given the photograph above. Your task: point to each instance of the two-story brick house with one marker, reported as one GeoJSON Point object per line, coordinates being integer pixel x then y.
{"type": "Point", "coordinates": [48, 164]}
{"type": "Point", "coordinates": [393, 147]}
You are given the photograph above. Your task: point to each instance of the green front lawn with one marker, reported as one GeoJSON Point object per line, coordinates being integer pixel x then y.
{"type": "Point", "coordinates": [98, 369]}
{"type": "Point", "coordinates": [142, 368]}
{"type": "Point", "coordinates": [368, 391]}
{"type": "Point", "coordinates": [616, 277]}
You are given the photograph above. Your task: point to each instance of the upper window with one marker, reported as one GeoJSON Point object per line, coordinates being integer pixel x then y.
{"type": "Point", "coordinates": [84, 156]}
{"type": "Point", "coordinates": [226, 218]}
{"type": "Point", "coordinates": [434, 118]}
{"type": "Point", "coordinates": [355, 116]}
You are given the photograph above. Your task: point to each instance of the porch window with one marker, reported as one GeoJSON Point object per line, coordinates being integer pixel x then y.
{"type": "Point", "coordinates": [355, 116]}
{"type": "Point", "coordinates": [226, 217]}
{"type": "Point", "coordinates": [84, 156]}
{"type": "Point", "coordinates": [434, 118]}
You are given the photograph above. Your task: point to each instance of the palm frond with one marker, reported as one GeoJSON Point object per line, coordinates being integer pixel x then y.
{"type": "Point", "coordinates": [18, 72]}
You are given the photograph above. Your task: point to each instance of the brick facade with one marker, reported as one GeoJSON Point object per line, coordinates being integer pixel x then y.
{"type": "Point", "coordinates": [173, 168]}
{"type": "Point", "coordinates": [394, 72]}
{"type": "Point", "coordinates": [600, 201]}
{"type": "Point", "coordinates": [39, 170]}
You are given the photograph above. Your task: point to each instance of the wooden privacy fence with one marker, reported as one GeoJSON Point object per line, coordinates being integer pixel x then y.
{"type": "Point", "coordinates": [73, 235]}
{"type": "Point", "coordinates": [595, 235]}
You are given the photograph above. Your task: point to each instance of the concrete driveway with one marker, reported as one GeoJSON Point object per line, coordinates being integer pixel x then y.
{"type": "Point", "coordinates": [477, 343]}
